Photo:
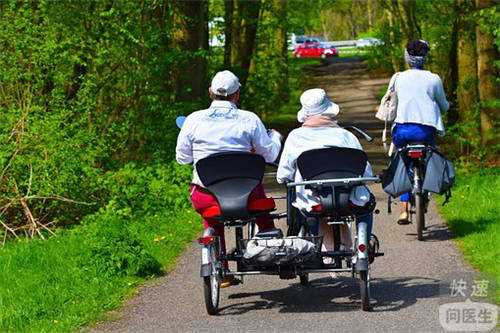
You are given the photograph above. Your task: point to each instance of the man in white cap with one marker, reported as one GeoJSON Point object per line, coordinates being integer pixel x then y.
{"type": "Point", "coordinates": [319, 130]}
{"type": "Point", "coordinates": [222, 128]}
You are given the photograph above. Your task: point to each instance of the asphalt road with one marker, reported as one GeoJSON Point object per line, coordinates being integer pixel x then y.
{"type": "Point", "coordinates": [405, 282]}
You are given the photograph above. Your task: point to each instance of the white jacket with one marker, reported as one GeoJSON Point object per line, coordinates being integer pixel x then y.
{"type": "Point", "coordinates": [222, 128]}
{"type": "Point", "coordinates": [421, 98]}
{"type": "Point", "coordinates": [306, 138]}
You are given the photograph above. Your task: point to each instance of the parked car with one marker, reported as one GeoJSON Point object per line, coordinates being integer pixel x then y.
{"type": "Point", "coordinates": [296, 40]}
{"type": "Point", "coordinates": [368, 41]}
{"type": "Point", "coordinates": [315, 50]}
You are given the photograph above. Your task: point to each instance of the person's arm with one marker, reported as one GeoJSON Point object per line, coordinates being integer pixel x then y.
{"type": "Point", "coordinates": [266, 145]}
{"type": "Point", "coordinates": [184, 148]}
{"type": "Point", "coordinates": [287, 165]}
{"type": "Point", "coordinates": [392, 82]}
{"type": "Point", "coordinates": [440, 95]}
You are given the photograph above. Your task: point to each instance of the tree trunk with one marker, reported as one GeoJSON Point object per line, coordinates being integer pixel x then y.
{"type": "Point", "coordinates": [409, 25]}
{"type": "Point", "coordinates": [228, 31]}
{"type": "Point", "coordinates": [396, 62]}
{"type": "Point", "coordinates": [487, 53]}
{"type": "Point", "coordinates": [246, 18]}
{"type": "Point", "coordinates": [279, 9]}
{"type": "Point", "coordinates": [453, 61]}
{"type": "Point", "coordinates": [191, 36]}
{"type": "Point", "coordinates": [369, 9]}
{"type": "Point", "coordinates": [467, 58]}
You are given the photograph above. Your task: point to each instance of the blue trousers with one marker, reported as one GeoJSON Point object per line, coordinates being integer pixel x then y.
{"type": "Point", "coordinates": [402, 134]}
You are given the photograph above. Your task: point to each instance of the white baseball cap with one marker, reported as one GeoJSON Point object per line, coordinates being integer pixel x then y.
{"type": "Point", "coordinates": [225, 83]}
{"type": "Point", "coordinates": [314, 101]}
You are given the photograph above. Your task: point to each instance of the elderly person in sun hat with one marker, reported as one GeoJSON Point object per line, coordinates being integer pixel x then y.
{"type": "Point", "coordinates": [224, 128]}
{"type": "Point", "coordinates": [319, 130]}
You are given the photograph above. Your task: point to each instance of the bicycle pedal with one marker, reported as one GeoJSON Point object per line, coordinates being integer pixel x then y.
{"type": "Point", "coordinates": [379, 254]}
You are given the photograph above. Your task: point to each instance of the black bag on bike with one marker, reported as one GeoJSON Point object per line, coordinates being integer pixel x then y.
{"type": "Point", "coordinates": [439, 173]}
{"type": "Point", "coordinates": [395, 180]}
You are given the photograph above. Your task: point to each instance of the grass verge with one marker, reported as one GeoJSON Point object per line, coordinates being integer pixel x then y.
{"type": "Point", "coordinates": [73, 278]}
{"type": "Point", "coordinates": [473, 216]}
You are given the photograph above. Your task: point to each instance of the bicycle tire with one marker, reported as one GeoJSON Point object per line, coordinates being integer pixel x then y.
{"type": "Point", "coordinates": [420, 215]}
{"type": "Point", "coordinates": [364, 284]}
{"type": "Point", "coordinates": [211, 286]}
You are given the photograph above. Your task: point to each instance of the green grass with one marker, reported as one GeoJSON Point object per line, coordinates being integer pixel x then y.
{"type": "Point", "coordinates": [73, 278]}
{"type": "Point", "coordinates": [473, 216]}
{"type": "Point", "coordinates": [356, 52]}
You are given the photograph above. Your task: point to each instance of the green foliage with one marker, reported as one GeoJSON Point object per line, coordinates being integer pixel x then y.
{"type": "Point", "coordinates": [72, 278]}
{"type": "Point", "coordinates": [285, 117]}
{"type": "Point", "coordinates": [488, 21]}
{"type": "Point", "coordinates": [81, 93]}
{"type": "Point", "coordinates": [472, 215]}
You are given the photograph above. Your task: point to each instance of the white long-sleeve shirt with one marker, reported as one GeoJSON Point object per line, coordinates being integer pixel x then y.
{"type": "Point", "coordinates": [223, 128]}
{"type": "Point", "coordinates": [421, 98]}
{"type": "Point", "coordinates": [307, 138]}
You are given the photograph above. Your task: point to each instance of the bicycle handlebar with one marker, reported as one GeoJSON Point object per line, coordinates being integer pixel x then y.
{"type": "Point", "coordinates": [360, 132]}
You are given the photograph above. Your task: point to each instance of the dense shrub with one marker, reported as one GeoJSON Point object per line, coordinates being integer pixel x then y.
{"type": "Point", "coordinates": [81, 95]}
{"type": "Point", "coordinates": [69, 280]}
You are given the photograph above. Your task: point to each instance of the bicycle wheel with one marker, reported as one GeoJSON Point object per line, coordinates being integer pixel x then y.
{"type": "Point", "coordinates": [420, 215]}
{"type": "Point", "coordinates": [364, 284]}
{"type": "Point", "coordinates": [211, 285]}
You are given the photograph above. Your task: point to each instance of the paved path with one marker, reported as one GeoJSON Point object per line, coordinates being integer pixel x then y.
{"type": "Point", "coordinates": [405, 282]}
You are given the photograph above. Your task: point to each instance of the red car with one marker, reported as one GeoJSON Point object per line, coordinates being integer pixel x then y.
{"type": "Point", "coordinates": [315, 50]}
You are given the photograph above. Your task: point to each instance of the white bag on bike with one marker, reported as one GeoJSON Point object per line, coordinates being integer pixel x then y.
{"type": "Point", "coordinates": [389, 103]}
{"type": "Point", "coordinates": [395, 180]}
{"type": "Point", "coordinates": [278, 250]}
{"type": "Point", "coordinates": [439, 173]}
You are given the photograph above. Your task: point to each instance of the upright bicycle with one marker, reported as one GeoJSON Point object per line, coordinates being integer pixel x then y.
{"type": "Point", "coordinates": [419, 198]}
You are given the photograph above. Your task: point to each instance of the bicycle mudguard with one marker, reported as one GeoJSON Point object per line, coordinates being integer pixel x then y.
{"type": "Point", "coordinates": [206, 269]}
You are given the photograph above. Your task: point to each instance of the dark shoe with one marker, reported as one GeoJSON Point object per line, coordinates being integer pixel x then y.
{"type": "Point", "coordinates": [229, 281]}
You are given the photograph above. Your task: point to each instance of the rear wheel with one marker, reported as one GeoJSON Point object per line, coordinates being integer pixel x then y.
{"type": "Point", "coordinates": [420, 215]}
{"type": "Point", "coordinates": [364, 284]}
{"type": "Point", "coordinates": [211, 285]}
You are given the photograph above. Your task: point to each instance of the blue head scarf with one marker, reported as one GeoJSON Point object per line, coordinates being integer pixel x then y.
{"type": "Point", "coordinates": [417, 61]}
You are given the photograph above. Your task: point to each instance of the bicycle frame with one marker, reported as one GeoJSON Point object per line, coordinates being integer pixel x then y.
{"type": "Point", "coordinates": [360, 252]}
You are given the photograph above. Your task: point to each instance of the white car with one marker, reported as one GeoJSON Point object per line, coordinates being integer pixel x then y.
{"type": "Point", "coordinates": [368, 41]}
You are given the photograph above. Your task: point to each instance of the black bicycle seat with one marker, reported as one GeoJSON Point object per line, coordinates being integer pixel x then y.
{"type": "Point", "coordinates": [231, 177]}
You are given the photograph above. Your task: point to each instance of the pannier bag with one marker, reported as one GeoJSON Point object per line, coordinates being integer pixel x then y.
{"type": "Point", "coordinates": [439, 173]}
{"type": "Point", "coordinates": [395, 180]}
{"type": "Point", "coordinates": [279, 251]}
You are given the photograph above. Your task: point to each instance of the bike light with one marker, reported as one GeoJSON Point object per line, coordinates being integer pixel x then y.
{"type": "Point", "coordinates": [206, 240]}
{"type": "Point", "coordinates": [362, 247]}
{"type": "Point", "coordinates": [415, 153]}
{"type": "Point", "coordinates": [317, 208]}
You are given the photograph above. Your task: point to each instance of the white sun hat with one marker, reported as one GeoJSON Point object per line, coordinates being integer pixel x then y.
{"type": "Point", "coordinates": [225, 83]}
{"type": "Point", "coordinates": [314, 102]}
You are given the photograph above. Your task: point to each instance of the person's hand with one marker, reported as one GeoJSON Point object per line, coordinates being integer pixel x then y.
{"type": "Point", "coordinates": [376, 108]}
{"type": "Point", "coordinates": [272, 130]}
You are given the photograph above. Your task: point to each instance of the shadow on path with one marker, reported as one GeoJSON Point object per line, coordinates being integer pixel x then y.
{"type": "Point", "coordinates": [322, 294]}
